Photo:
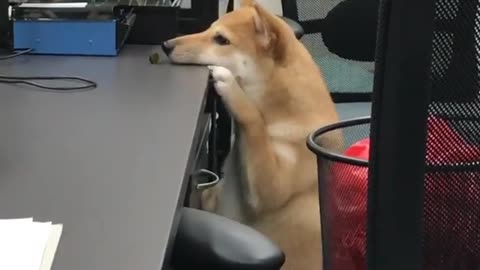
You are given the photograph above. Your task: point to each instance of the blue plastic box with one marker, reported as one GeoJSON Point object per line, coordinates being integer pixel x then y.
{"type": "Point", "coordinates": [70, 37]}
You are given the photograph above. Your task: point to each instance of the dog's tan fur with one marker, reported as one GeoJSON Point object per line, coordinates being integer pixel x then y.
{"type": "Point", "coordinates": [277, 96]}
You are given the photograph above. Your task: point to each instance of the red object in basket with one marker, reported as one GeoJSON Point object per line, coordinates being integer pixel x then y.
{"type": "Point", "coordinates": [449, 227]}
{"type": "Point", "coordinates": [348, 210]}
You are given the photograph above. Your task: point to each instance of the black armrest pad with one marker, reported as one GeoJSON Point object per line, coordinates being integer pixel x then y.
{"type": "Point", "coordinates": [208, 241]}
{"type": "Point", "coordinates": [350, 29]}
{"type": "Point", "coordinates": [296, 27]}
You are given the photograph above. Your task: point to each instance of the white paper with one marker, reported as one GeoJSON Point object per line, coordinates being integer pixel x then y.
{"type": "Point", "coordinates": [17, 220]}
{"type": "Point", "coordinates": [51, 248]}
{"type": "Point", "coordinates": [54, 5]}
{"type": "Point", "coordinates": [28, 245]}
{"type": "Point", "coordinates": [187, 4]}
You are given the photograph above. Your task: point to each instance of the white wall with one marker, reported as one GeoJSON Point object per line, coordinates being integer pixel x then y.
{"type": "Point", "coordinates": [274, 6]}
{"type": "Point", "coordinates": [186, 3]}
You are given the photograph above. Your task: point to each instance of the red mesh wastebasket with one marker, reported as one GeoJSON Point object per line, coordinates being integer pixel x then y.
{"type": "Point", "coordinates": [451, 202]}
{"type": "Point", "coordinates": [342, 174]}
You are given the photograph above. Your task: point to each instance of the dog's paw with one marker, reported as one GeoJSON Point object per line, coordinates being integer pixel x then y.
{"type": "Point", "coordinates": [224, 79]}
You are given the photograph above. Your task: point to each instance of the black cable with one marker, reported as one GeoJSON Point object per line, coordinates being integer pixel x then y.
{"type": "Point", "coordinates": [15, 54]}
{"type": "Point", "coordinates": [29, 80]}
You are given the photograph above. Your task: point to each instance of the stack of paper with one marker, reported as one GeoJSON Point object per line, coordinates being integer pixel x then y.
{"type": "Point", "coordinates": [28, 245]}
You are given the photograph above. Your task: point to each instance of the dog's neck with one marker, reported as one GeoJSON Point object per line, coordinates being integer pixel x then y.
{"type": "Point", "coordinates": [252, 81]}
{"type": "Point", "coordinates": [254, 76]}
{"type": "Point", "coordinates": [262, 88]}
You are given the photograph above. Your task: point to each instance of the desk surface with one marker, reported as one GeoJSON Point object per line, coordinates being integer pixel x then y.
{"type": "Point", "coordinates": [107, 163]}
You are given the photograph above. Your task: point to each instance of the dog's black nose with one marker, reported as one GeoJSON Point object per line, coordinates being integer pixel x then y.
{"type": "Point", "coordinates": [167, 47]}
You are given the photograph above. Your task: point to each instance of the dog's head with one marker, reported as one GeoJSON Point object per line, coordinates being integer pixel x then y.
{"type": "Point", "coordinates": [239, 41]}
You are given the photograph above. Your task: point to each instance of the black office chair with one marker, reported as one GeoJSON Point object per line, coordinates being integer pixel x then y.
{"type": "Point", "coordinates": [340, 35]}
{"type": "Point", "coordinates": [348, 28]}
{"type": "Point", "coordinates": [420, 210]}
{"type": "Point", "coordinates": [339, 24]}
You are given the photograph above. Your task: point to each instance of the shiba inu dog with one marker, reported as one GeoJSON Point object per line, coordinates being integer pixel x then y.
{"type": "Point", "coordinates": [276, 94]}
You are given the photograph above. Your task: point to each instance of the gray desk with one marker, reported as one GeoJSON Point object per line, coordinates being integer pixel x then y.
{"type": "Point", "coordinates": [107, 163]}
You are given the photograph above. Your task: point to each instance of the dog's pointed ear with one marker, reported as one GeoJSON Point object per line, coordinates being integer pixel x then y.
{"type": "Point", "coordinates": [264, 34]}
{"type": "Point", "coordinates": [269, 31]}
{"type": "Point", "coordinates": [247, 3]}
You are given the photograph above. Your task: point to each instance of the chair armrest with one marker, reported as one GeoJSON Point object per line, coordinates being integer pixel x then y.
{"type": "Point", "coordinates": [208, 241]}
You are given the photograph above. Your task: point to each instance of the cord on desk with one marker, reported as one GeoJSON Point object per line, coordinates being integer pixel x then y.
{"type": "Point", "coordinates": [15, 54]}
{"type": "Point", "coordinates": [29, 80]}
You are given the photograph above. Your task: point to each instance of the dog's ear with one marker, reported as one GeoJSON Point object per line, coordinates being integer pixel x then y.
{"type": "Point", "coordinates": [263, 31]}
{"type": "Point", "coordinates": [269, 32]}
{"type": "Point", "coordinates": [246, 3]}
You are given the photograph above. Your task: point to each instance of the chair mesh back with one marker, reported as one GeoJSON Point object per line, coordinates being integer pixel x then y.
{"type": "Point", "coordinates": [345, 78]}
{"type": "Point", "coordinates": [312, 10]}
{"type": "Point", "coordinates": [452, 182]}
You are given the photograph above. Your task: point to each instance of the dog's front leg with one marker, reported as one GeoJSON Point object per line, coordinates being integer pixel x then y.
{"type": "Point", "coordinates": [209, 198]}
{"type": "Point", "coordinates": [267, 172]}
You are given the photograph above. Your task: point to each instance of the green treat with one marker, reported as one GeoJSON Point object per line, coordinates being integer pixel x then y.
{"type": "Point", "coordinates": [154, 59]}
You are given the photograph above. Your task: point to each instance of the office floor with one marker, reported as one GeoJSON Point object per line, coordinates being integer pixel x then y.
{"type": "Point", "coordinates": [353, 110]}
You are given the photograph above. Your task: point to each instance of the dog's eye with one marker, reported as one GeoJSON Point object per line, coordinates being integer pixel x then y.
{"type": "Point", "coordinates": [221, 40]}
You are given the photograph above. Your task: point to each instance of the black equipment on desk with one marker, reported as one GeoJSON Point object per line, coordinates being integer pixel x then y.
{"type": "Point", "coordinates": [198, 17]}
{"type": "Point", "coordinates": [156, 20]}
{"type": "Point", "coordinates": [4, 24]}
{"type": "Point", "coordinates": [70, 28]}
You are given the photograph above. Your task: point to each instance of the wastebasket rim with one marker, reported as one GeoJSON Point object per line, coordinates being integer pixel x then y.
{"type": "Point", "coordinates": [327, 154]}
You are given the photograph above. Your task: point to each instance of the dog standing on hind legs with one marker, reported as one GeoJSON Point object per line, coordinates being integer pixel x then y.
{"type": "Point", "coordinates": [276, 96]}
